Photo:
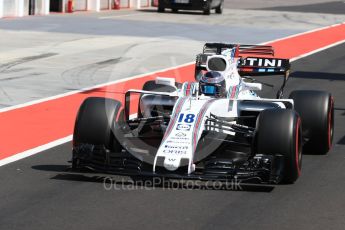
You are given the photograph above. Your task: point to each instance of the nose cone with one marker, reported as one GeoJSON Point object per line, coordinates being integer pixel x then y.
{"type": "Point", "coordinates": [171, 164]}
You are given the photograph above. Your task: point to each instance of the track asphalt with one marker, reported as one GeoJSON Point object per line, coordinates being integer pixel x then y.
{"type": "Point", "coordinates": [38, 193]}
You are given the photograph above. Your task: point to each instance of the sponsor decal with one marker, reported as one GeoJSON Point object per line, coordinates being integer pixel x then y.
{"type": "Point", "coordinates": [183, 127]}
{"type": "Point", "coordinates": [180, 134]}
{"type": "Point", "coordinates": [175, 151]}
{"type": "Point", "coordinates": [179, 141]}
{"type": "Point", "coordinates": [180, 138]}
{"type": "Point", "coordinates": [176, 147]}
{"type": "Point", "coordinates": [266, 62]}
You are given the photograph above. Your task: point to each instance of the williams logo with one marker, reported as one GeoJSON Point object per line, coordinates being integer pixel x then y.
{"type": "Point", "coordinates": [183, 127]}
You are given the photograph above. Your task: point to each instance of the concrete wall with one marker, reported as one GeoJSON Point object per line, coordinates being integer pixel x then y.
{"type": "Point", "coordinates": [9, 8]}
{"type": "Point", "coordinates": [94, 5]}
{"type": "Point", "coordinates": [80, 5]}
{"type": "Point", "coordinates": [26, 8]}
{"type": "Point", "coordinates": [1, 8]}
{"type": "Point", "coordinates": [20, 8]}
{"type": "Point", "coordinates": [39, 6]}
{"type": "Point", "coordinates": [105, 4]}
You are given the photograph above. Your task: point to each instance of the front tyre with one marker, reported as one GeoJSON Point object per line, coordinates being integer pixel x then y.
{"type": "Point", "coordinates": [95, 125]}
{"type": "Point", "coordinates": [316, 109]}
{"type": "Point", "coordinates": [279, 131]}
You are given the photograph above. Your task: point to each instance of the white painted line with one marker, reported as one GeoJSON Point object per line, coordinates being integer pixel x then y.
{"type": "Point", "coordinates": [120, 16]}
{"type": "Point", "coordinates": [304, 33]}
{"type": "Point", "coordinates": [34, 151]}
{"type": "Point", "coordinates": [64, 140]}
{"type": "Point", "coordinates": [141, 75]}
{"type": "Point", "coordinates": [316, 51]}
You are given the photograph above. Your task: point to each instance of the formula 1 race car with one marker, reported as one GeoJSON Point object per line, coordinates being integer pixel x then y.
{"type": "Point", "coordinates": [216, 128]}
{"type": "Point", "coordinates": [204, 5]}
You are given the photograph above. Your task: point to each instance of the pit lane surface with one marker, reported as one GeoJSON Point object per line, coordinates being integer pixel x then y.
{"type": "Point", "coordinates": [38, 193]}
{"type": "Point", "coordinates": [45, 56]}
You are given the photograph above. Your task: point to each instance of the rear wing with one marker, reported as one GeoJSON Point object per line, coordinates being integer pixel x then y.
{"type": "Point", "coordinates": [262, 65]}
{"type": "Point", "coordinates": [218, 48]}
{"type": "Point", "coordinates": [253, 59]}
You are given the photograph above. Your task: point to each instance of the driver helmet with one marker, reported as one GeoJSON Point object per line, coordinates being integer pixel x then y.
{"type": "Point", "coordinates": [213, 84]}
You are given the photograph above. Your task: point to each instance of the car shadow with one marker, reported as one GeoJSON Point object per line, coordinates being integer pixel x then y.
{"type": "Point", "coordinates": [171, 12]}
{"type": "Point", "coordinates": [341, 110]}
{"type": "Point", "coordinates": [64, 172]}
{"type": "Point", "coordinates": [318, 75]}
{"type": "Point", "coordinates": [52, 168]}
{"type": "Point", "coordinates": [334, 7]}
{"type": "Point", "coordinates": [341, 141]}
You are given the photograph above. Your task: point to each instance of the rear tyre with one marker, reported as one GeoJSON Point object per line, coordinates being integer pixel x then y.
{"type": "Point", "coordinates": [153, 86]}
{"type": "Point", "coordinates": [95, 124]}
{"type": "Point", "coordinates": [175, 10]}
{"type": "Point", "coordinates": [279, 132]}
{"type": "Point", "coordinates": [219, 9]}
{"type": "Point", "coordinates": [198, 69]}
{"type": "Point", "coordinates": [316, 109]}
{"type": "Point", "coordinates": [160, 9]}
{"type": "Point", "coordinates": [207, 8]}
{"type": "Point", "coordinates": [207, 11]}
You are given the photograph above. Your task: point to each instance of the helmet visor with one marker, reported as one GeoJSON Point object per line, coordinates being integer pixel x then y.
{"type": "Point", "coordinates": [209, 89]}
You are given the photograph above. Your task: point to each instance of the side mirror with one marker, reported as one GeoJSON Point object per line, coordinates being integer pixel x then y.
{"type": "Point", "coordinates": [166, 81]}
